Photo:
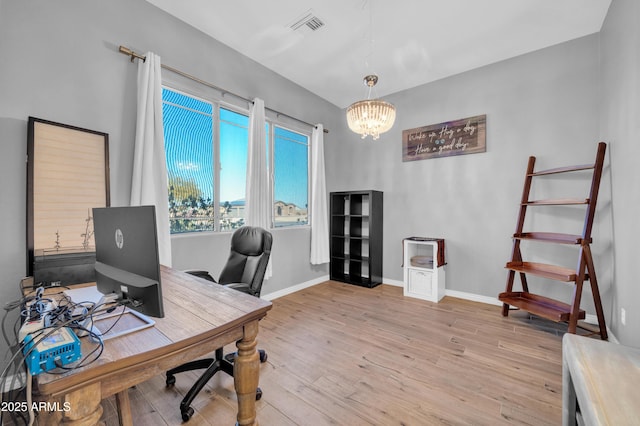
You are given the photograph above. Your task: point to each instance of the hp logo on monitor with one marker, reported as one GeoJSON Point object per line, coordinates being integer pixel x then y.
{"type": "Point", "coordinates": [119, 238]}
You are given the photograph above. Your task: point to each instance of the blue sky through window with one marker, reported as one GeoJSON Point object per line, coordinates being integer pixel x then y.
{"type": "Point", "coordinates": [234, 143]}
{"type": "Point", "coordinates": [291, 165]}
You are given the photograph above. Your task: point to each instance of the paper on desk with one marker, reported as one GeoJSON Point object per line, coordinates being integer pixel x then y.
{"type": "Point", "coordinates": [84, 294]}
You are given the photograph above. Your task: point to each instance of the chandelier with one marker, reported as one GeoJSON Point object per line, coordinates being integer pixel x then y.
{"type": "Point", "coordinates": [371, 116]}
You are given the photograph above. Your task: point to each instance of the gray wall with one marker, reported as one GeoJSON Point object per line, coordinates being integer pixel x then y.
{"type": "Point", "coordinates": [619, 116]}
{"type": "Point", "coordinates": [13, 152]}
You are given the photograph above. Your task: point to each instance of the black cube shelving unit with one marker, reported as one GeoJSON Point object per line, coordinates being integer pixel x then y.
{"type": "Point", "coordinates": [356, 237]}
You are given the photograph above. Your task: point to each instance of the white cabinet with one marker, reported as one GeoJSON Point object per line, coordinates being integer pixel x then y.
{"type": "Point", "coordinates": [423, 262]}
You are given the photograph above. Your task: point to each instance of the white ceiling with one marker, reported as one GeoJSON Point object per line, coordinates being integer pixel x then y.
{"type": "Point", "coordinates": [413, 41]}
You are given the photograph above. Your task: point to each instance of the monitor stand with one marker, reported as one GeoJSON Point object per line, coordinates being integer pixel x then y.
{"type": "Point", "coordinates": [90, 324]}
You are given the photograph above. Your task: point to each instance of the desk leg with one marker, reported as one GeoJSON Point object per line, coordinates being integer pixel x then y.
{"type": "Point", "coordinates": [124, 408]}
{"type": "Point", "coordinates": [246, 373]}
{"type": "Point", "coordinates": [78, 408]}
{"type": "Point", "coordinates": [569, 400]}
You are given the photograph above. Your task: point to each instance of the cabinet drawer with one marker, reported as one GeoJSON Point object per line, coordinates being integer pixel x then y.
{"type": "Point", "coordinates": [420, 282]}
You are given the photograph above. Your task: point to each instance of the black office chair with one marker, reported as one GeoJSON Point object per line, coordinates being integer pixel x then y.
{"type": "Point", "coordinates": [244, 271]}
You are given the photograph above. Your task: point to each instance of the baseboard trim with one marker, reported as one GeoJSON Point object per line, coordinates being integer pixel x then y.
{"type": "Point", "coordinates": [293, 289]}
{"type": "Point", "coordinates": [473, 297]}
{"type": "Point", "coordinates": [394, 283]}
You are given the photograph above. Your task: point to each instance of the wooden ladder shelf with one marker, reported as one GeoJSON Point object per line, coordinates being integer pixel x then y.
{"type": "Point", "coordinates": [539, 305]}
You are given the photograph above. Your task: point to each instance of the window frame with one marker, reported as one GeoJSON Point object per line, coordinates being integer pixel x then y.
{"type": "Point", "coordinates": [217, 104]}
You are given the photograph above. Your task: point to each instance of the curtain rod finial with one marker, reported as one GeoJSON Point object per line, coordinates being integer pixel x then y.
{"type": "Point", "coordinates": [127, 51]}
{"type": "Point", "coordinates": [133, 55]}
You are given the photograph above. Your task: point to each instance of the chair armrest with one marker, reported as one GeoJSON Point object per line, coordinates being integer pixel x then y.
{"type": "Point", "coordinates": [243, 287]}
{"type": "Point", "coordinates": [202, 274]}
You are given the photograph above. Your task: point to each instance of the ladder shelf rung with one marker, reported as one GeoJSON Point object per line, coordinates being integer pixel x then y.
{"type": "Point", "coordinates": [551, 237]}
{"type": "Point", "coordinates": [539, 305]}
{"type": "Point", "coordinates": [563, 170]}
{"type": "Point", "coordinates": [557, 202]}
{"type": "Point", "coordinates": [552, 272]}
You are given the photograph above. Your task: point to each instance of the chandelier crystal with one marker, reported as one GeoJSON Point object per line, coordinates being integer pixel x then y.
{"type": "Point", "coordinates": [371, 116]}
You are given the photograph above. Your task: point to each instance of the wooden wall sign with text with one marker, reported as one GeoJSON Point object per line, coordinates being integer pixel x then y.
{"type": "Point", "coordinates": [459, 137]}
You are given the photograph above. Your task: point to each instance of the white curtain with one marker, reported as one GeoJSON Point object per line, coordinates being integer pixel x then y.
{"type": "Point", "coordinates": [149, 181]}
{"type": "Point", "coordinates": [319, 218]}
{"type": "Point", "coordinates": [258, 199]}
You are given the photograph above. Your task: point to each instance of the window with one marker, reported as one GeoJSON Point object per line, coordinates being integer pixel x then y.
{"type": "Point", "coordinates": [291, 183]}
{"type": "Point", "coordinates": [206, 148]}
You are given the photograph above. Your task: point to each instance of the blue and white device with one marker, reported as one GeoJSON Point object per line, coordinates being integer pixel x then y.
{"type": "Point", "coordinates": [59, 348]}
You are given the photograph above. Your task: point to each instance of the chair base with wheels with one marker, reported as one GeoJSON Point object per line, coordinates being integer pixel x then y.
{"type": "Point", "coordinates": [244, 272]}
{"type": "Point", "coordinates": [212, 366]}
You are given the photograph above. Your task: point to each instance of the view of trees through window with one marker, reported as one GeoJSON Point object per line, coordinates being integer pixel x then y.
{"type": "Point", "coordinates": [207, 174]}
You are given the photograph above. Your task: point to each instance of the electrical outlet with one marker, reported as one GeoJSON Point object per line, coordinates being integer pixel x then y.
{"type": "Point", "coordinates": [623, 316]}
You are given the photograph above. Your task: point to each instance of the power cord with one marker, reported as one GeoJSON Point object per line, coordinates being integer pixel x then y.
{"type": "Point", "coordinates": [62, 315]}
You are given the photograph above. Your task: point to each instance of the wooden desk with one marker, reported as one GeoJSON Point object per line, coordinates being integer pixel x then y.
{"type": "Point", "coordinates": [199, 317]}
{"type": "Point", "coordinates": [599, 381]}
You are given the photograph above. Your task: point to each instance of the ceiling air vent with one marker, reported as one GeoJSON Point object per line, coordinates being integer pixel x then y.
{"type": "Point", "coordinates": [308, 20]}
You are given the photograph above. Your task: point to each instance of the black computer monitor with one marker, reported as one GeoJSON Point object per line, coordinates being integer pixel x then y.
{"type": "Point", "coordinates": [127, 257]}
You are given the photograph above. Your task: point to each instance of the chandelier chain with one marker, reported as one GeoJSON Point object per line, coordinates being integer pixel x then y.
{"type": "Point", "coordinates": [371, 116]}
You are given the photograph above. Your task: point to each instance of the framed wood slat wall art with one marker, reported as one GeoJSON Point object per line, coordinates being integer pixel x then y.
{"type": "Point", "coordinates": [458, 137]}
{"type": "Point", "coordinates": [67, 175]}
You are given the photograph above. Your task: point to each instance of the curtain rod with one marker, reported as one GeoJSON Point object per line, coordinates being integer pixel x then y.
{"type": "Point", "coordinates": [134, 55]}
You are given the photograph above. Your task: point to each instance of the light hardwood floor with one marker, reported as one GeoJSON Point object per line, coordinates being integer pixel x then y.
{"type": "Point", "coordinates": [346, 355]}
